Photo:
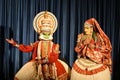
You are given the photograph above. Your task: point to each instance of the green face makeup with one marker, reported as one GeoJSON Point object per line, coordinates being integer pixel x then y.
{"type": "Point", "coordinates": [46, 35]}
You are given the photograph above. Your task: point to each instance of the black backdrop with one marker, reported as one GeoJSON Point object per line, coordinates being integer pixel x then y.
{"type": "Point", "coordinates": [16, 21]}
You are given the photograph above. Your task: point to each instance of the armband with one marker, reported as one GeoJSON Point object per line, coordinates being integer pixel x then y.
{"type": "Point", "coordinates": [17, 45]}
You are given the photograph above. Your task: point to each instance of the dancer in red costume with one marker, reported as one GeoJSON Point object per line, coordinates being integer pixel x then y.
{"type": "Point", "coordinates": [45, 64]}
{"type": "Point", "coordinates": [94, 54]}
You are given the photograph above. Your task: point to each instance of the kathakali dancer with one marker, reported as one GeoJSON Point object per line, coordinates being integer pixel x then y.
{"type": "Point", "coordinates": [94, 54]}
{"type": "Point", "coordinates": [45, 64]}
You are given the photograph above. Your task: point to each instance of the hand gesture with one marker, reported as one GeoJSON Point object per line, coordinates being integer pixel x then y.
{"type": "Point", "coordinates": [56, 50]}
{"type": "Point", "coordinates": [57, 47]}
{"type": "Point", "coordinates": [87, 40]}
{"type": "Point", "coordinates": [11, 41]}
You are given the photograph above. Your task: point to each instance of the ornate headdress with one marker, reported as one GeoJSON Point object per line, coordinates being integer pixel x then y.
{"type": "Point", "coordinates": [89, 22]}
{"type": "Point", "coordinates": [41, 19]}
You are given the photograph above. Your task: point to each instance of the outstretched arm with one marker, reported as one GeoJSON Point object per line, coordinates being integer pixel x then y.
{"type": "Point", "coordinates": [21, 47]}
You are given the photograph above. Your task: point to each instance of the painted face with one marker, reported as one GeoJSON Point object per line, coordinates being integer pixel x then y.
{"type": "Point", "coordinates": [88, 30]}
{"type": "Point", "coordinates": [45, 30]}
{"type": "Point", "coordinates": [46, 35]}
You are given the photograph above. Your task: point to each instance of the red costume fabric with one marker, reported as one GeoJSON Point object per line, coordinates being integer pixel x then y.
{"type": "Point", "coordinates": [52, 58]}
{"type": "Point", "coordinates": [99, 48]}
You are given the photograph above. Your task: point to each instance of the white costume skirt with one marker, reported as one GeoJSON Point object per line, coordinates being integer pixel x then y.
{"type": "Point", "coordinates": [84, 69]}
{"type": "Point", "coordinates": [29, 71]}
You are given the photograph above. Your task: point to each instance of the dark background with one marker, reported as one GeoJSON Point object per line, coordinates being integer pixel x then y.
{"type": "Point", "coordinates": [16, 21]}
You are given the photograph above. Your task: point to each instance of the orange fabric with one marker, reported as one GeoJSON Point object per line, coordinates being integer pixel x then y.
{"type": "Point", "coordinates": [53, 56]}
{"type": "Point", "coordinates": [103, 35]}
{"type": "Point", "coordinates": [29, 48]}
{"type": "Point", "coordinates": [99, 50]}
{"type": "Point", "coordinates": [60, 68]}
{"type": "Point", "coordinates": [90, 21]}
{"type": "Point", "coordinates": [89, 72]}
{"type": "Point", "coordinates": [43, 54]}
{"type": "Point", "coordinates": [35, 50]}
{"type": "Point", "coordinates": [25, 48]}
{"type": "Point", "coordinates": [106, 41]}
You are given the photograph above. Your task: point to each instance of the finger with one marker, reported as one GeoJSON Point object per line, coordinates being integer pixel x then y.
{"type": "Point", "coordinates": [57, 48]}
{"type": "Point", "coordinates": [12, 39]}
{"type": "Point", "coordinates": [7, 40]}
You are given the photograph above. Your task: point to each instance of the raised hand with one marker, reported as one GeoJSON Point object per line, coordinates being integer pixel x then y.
{"type": "Point", "coordinates": [11, 41]}
{"type": "Point", "coordinates": [57, 47]}
{"type": "Point", "coordinates": [56, 50]}
{"type": "Point", "coordinates": [87, 40]}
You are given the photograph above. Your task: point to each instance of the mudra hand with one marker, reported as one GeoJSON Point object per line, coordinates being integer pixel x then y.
{"type": "Point", "coordinates": [87, 41]}
{"type": "Point", "coordinates": [56, 50]}
{"type": "Point", "coordinates": [57, 47]}
{"type": "Point", "coordinates": [11, 41]}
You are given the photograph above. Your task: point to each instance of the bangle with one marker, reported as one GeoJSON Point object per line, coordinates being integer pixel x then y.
{"type": "Point", "coordinates": [17, 45]}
